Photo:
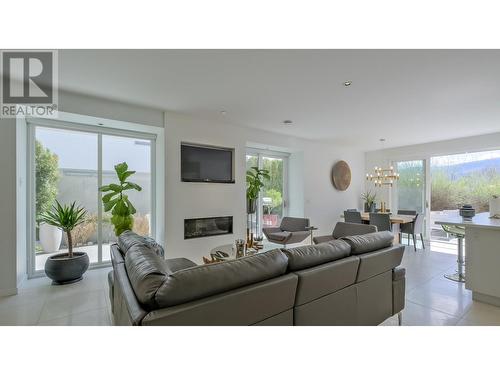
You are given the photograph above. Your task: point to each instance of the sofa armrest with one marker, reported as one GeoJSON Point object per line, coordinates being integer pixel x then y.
{"type": "Point", "coordinates": [398, 273]}
{"type": "Point", "coordinates": [321, 239]}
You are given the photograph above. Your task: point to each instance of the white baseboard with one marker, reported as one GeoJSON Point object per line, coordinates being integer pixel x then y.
{"type": "Point", "coordinates": [8, 292]}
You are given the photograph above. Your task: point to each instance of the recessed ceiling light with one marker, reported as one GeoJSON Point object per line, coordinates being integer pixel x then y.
{"type": "Point", "coordinates": [347, 83]}
{"type": "Point", "coordinates": [223, 113]}
{"type": "Point", "coordinates": [287, 122]}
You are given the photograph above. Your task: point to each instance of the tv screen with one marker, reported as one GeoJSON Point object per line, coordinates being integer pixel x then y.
{"type": "Point", "coordinates": [206, 164]}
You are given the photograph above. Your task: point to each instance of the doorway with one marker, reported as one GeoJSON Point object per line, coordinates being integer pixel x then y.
{"type": "Point", "coordinates": [273, 198]}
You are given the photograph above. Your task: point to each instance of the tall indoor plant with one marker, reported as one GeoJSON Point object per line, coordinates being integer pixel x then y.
{"type": "Point", "coordinates": [255, 182]}
{"type": "Point", "coordinates": [116, 201]}
{"type": "Point", "coordinates": [67, 267]}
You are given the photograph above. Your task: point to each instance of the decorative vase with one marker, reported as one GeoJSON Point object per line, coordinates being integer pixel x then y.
{"type": "Point", "coordinates": [50, 237]}
{"type": "Point", "coordinates": [371, 208]}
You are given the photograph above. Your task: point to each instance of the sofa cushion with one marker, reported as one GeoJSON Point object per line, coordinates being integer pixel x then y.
{"type": "Point", "coordinates": [146, 272]}
{"type": "Point", "coordinates": [210, 279]}
{"type": "Point", "coordinates": [128, 238]}
{"type": "Point", "coordinates": [156, 286]}
{"type": "Point", "coordinates": [312, 255]}
{"type": "Point", "coordinates": [352, 229]}
{"type": "Point", "coordinates": [380, 261]}
{"type": "Point", "coordinates": [177, 264]}
{"type": "Point", "coordinates": [369, 242]}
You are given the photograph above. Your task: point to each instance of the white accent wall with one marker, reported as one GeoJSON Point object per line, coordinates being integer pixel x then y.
{"type": "Point", "coordinates": [311, 193]}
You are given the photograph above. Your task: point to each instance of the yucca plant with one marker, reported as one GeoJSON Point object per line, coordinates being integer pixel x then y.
{"type": "Point", "coordinates": [117, 202]}
{"type": "Point", "coordinates": [65, 217]}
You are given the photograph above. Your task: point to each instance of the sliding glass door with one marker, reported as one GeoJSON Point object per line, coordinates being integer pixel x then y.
{"type": "Point", "coordinates": [136, 153]}
{"type": "Point", "coordinates": [410, 188]}
{"type": "Point", "coordinates": [68, 164]}
{"type": "Point", "coordinates": [272, 201]}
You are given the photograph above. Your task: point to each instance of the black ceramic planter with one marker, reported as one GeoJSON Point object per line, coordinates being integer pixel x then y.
{"type": "Point", "coordinates": [64, 270]}
{"type": "Point", "coordinates": [371, 208]}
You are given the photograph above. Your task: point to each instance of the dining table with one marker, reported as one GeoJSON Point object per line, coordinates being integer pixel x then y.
{"type": "Point", "coordinates": [396, 221]}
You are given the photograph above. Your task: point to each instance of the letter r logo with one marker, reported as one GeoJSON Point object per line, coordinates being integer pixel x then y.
{"type": "Point", "coordinates": [28, 77]}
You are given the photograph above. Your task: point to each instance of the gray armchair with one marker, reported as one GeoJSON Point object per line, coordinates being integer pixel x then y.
{"type": "Point", "coordinates": [346, 229]}
{"type": "Point", "coordinates": [291, 230]}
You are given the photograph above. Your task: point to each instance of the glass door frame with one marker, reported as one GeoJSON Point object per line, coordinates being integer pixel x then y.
{"type": "Point", "coordinates": [427, 190]}
{"type": "Point", "coordinates": [260, 154]}
{"type": "Point", "coordinates": [32, 124]}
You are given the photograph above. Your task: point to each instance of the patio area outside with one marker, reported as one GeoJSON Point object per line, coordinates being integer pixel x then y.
{"type": "Point", "coordinates": [91, 250]}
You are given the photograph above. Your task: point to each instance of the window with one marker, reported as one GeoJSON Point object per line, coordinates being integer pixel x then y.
{"type": "Point", "coordinates": [69, 163]}
{"type": "Point", "coordinates": [470, 178]}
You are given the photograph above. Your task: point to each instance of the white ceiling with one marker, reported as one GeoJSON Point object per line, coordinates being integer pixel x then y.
{"type": "Point", "coordinates": [405, 96]}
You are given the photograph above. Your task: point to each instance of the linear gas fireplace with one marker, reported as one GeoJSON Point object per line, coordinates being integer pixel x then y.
{"type": "Point", "coordinates": [207, 226]}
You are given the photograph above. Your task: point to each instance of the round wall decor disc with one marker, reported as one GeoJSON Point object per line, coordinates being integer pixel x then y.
{"type": "Point", "coordinates": [341, 175]}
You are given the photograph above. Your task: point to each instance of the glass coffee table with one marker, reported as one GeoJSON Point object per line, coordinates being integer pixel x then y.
{"type": "Point", "coordinates": [228, 252]}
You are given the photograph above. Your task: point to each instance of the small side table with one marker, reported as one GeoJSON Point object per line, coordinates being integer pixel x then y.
{"type": "Point", "coordinates": [311, 229]}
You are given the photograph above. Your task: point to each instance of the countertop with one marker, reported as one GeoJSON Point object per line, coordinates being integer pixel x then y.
{"type": "Point", "coordinates": [480, 220]}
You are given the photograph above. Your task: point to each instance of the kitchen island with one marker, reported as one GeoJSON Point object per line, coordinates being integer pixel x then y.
{"type": "Point", "coordinates": [482, 256]}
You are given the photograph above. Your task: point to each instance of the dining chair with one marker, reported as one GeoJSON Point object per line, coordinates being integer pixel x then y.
{"type": "Point", "coordinates": [352, 210]}
{"type": "Point", "coordinates": [381, 221]}
{"type": "Point", "coordinates": [413, 228]}
{"type": "Point", "coordinates": [404, 228]}
{"type": "Point", "coordinates": [352, 217]}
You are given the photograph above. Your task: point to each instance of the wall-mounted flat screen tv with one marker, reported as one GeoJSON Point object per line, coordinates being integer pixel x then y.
{"type": "Point", "coordinates": [206, 164]}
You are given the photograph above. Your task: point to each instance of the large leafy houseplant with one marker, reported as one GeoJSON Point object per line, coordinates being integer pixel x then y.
{"type": "Point", "coordinates": [65, 217]}
{"type": "Point", "coordinates": [255, 182]}
{"type": "Point", "coordinates": [116, 201]}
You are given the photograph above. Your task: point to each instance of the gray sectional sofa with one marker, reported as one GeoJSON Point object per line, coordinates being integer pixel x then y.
{"type": "Point", "coordinates": [350, 281]}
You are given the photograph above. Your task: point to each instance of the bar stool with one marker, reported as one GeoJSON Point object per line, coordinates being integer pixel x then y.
{"type": "Point", "coordinates": [458, 232]}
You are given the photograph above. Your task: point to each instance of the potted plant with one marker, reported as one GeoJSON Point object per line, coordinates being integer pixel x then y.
{"type": "Point", "coordinates": [255, 177]}
{"type": "Point", "coordinates": [117, 202]}
{"type": "Point", "coordinates": [369, 198]}
{"type": "Point", "coordinates": [67, 267]}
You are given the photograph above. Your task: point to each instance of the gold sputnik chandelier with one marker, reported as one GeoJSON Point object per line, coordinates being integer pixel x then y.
{"type": "Point", "coordinates": [383, 176]}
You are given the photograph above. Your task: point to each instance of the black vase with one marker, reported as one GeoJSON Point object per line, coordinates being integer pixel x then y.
{"type": "Point", "coordinates": [64, 270]}
{"type": "Point", "coordinates": [371, 208]}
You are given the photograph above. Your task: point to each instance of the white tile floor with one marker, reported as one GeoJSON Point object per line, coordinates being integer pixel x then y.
{"type": "Point", "coordinates": [430, 298]}
{"type": "Point", "coordinates": [40, 303]}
